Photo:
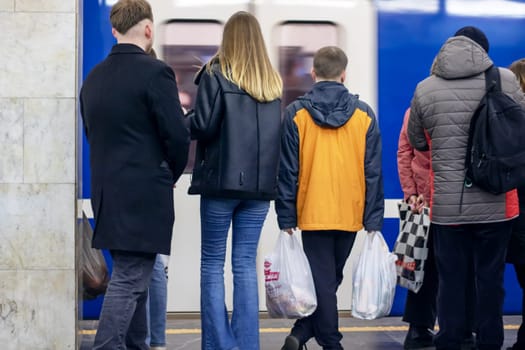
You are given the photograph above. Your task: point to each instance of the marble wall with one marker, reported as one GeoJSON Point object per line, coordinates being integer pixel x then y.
{"type": "Point", "coordinates": [38, 113]}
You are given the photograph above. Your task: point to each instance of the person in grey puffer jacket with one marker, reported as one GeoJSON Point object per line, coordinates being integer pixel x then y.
{"type": "Point", "coordinates": [472, 227]}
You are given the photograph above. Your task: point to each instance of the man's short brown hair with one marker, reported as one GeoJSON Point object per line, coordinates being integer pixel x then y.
{"type": "Point", "coordinates": [330, 62]}
{"type": "Point", "coordinates": [126, 13]}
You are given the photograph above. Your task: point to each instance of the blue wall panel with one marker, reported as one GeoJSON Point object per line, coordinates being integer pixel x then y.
{"type": "Point", "coordinates": [407, 44]}
{"type": "Point", "coordinates": [97, 43]}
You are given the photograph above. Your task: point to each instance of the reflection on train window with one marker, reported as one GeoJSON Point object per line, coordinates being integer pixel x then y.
{"type": "Point", "coordinates": [297, 43]}
{"type": "Point", "coordinates": [186, 46]}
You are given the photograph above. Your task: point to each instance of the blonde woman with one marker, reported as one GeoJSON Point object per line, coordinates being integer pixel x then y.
{"type": "Point", "coordinates": [237, 125]}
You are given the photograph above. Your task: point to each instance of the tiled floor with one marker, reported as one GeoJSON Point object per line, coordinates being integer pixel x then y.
{"type": "Point", "coordinates": [388, 333]}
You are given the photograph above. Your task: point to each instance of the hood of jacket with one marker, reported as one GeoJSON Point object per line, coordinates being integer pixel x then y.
{"type": "Point", "coordinates": [460, 57]}
{"type": "Point", "coordinates": [330, 104]}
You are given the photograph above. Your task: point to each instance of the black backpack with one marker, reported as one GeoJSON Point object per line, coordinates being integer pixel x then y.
{"type": "Point", "coordinates": [495, 159]}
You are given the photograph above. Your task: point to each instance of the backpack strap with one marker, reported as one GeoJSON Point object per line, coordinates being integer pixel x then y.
{"type": "Point", "coordinates": [492, 83]}
{"type": "Point", "coordinates": [492, 79]}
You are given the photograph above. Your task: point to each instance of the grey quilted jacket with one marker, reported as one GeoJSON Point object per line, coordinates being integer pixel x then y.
{"type": "Point", "coordinates": [442, 106]}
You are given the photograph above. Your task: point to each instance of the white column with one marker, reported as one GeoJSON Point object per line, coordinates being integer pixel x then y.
{"type": "Point", "coordinates": [38, 99]}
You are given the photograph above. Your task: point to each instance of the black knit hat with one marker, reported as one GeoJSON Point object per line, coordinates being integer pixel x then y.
{"type": "Point", "coordinates": [475, 34]}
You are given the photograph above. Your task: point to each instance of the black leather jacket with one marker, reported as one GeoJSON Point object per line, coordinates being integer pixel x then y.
{"type": "Point", "coordinates": [238, 143]}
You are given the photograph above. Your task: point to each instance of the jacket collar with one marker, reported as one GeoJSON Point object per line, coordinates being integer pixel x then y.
{"type": "Point", "coordinates": [126, 49]}
{"type": "Point", "coordinates": [215, 67]}
{"type": "Point", "coordinates": [330, 104]}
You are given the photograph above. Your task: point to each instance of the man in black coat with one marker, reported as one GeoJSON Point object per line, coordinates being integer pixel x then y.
{"type": "Point", "coordinates": [139, 145]}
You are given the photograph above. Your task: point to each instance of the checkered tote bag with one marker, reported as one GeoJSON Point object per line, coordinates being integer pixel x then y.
{"type": "Point", "coordinates": [411, 247]}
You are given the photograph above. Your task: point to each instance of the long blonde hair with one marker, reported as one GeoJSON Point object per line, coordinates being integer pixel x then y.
{"type": "Point", "coordinates": [244, 60]}
{"type": "Point", "coordinates": [518, 68]}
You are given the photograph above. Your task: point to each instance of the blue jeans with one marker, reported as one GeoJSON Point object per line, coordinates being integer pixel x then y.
{"type": "Point", "coordinates": [123, 323]}
{"type": "Point", "coordinates": [247, 218]}
{"type": "Point", "coordinates": [157, 302]}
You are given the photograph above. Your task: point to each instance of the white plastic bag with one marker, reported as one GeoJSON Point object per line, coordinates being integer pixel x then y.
{"type": "Point", "coordinates": [374, 280]}
{"type": "Point", "coordinates": [289, 285]}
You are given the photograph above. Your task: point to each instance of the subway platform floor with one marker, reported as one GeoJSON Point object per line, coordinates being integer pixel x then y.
{"type": "Point", "coordinates": [183, 333]}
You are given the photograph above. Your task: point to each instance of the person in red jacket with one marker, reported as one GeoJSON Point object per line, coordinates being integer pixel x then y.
{"type": "Point", "coordinates": [420, 308]}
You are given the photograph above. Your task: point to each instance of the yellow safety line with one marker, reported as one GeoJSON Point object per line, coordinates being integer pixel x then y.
{"type": "Point", "coordinates": [286, 330]}
{"type": "Point", "coordinates": [87, 332]}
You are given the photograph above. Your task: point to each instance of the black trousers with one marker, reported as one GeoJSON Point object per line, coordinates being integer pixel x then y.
{"type": "Point", "coordinates": [456, 249]}
{"type": "Point", "coordinates": [327, 252]}
{"type": "Point", "coordinates": [421, 308]}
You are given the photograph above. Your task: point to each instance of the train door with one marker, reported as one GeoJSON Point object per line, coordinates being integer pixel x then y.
{"type": "Point", "coordinates": [186, 46]}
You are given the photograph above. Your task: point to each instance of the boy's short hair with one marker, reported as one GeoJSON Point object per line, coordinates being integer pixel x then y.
{"type": "Point", "coordinates": [126, 13]}
{"type": "Point", "coordinates": [330, 62]}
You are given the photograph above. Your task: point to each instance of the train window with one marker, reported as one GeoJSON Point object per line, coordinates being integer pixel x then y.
{"type": "Point", "coordinates": [186, 45]}
{"type": "Point", "coordinates": [429, 6]}
{"type": "Point", "coordinates": [486, 8]}
{"type": "Point", "coordinates": [296, 45]}
{"type": "Point", "coordinates": [316, 2]}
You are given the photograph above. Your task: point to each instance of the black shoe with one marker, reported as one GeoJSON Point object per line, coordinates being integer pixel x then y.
{"type": "Point", "coordinates": [291, 343]}
{"type": "Point", "coordinates": [419, 338]}
{"type": "Point", "coordinates": [517, 346]}
{"type": "Point", "coordinates": [468, 342]}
